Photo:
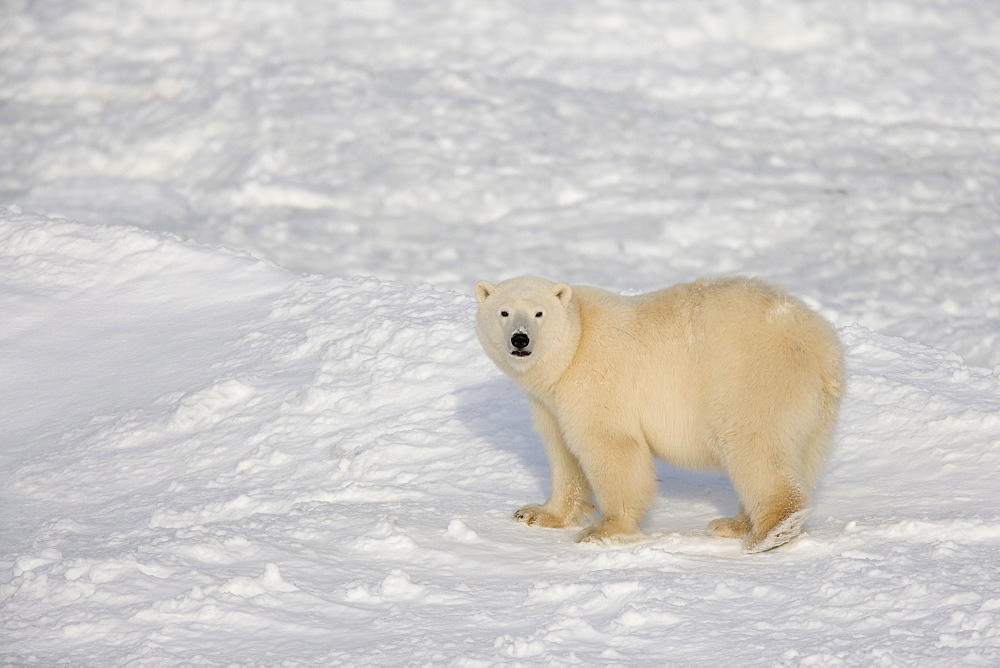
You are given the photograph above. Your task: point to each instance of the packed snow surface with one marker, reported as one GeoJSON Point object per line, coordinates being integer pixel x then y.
{"type": "Point", "coordinates": [245, 416]}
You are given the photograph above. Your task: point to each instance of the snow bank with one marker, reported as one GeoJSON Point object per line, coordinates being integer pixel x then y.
{"type": "Point", "coordinates": [205, 458]}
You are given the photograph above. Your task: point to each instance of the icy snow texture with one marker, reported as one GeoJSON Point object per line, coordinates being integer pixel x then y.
{"type": "Point", "coordinates": [205, 457]}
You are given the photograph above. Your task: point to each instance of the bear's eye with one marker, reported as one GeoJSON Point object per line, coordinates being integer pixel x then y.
{"type": "Point", "coordinates": [504, 314]}
{"type": "Point", "coordinates": [538, 315]}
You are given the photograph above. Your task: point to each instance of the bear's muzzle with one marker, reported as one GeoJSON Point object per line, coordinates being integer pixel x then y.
{"type": "Point", "coordinates": [520, 341]}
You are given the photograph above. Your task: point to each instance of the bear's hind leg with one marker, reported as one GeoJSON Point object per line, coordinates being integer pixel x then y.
{"type": "Point", "coordinates": [771, 499]}
{"type": "Point", "coordinates": [776, 516]}
{"type": "Point", "coordinates": [780, 533]}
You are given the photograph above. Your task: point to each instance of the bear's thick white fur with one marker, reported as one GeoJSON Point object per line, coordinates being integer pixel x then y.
{"type": "Point", "coordinates": [727, 374]}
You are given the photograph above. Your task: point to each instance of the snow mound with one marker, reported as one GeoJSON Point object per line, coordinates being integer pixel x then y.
{"type": "Point", "coordinates": [205, 458]}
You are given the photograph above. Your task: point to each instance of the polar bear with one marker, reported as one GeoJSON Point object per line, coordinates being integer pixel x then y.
{"type": "Point", "coordinates": [724, 374]}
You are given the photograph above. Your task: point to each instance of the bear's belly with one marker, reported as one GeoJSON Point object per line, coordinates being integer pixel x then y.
{"type": "Point", "coordinates": [680, 443]}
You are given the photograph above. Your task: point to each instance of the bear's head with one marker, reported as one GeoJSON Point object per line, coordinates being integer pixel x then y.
{"type": "Point", "coordinates": [527, 321]}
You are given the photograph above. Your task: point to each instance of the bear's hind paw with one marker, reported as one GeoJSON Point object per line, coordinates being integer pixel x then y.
{"type": "Point", "coordinates": [781, 533]}
{"type": "Point", "coordinates": [729, 527]}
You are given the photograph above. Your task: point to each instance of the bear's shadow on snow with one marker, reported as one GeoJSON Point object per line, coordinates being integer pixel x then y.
{"type": "Point", "coordinates": [497, 412]}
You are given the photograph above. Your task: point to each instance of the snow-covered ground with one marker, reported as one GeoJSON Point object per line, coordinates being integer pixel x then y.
{"type": "Point", "coordinates": [245, 417]}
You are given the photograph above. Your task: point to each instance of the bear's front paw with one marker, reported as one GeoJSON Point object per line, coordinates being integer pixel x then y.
{"type": "Point", "coordinates": [608, 530]}
{"type": "Point", "coordinates": [536, 515]}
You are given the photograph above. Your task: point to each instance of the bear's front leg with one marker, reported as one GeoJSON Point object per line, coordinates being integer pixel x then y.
{"type": "Point", "coordinates": [609, 529]}
{"type": "Point", "coordinates": [621, 473]}
{"type": "Point", "coordinates": [569, 502]}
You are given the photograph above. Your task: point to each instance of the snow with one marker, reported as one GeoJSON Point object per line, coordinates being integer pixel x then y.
{"type": "Point", "coordinates": [246, 419]}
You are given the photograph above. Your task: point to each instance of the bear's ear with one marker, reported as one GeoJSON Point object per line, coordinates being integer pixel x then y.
{"type": "Point", "coordinates": [563, 292]}
{"type": "Point", "coordinates": [483, 290]}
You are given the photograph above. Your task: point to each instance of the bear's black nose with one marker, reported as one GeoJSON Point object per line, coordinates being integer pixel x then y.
{"type": "Point", "coordinates": [519, 340]}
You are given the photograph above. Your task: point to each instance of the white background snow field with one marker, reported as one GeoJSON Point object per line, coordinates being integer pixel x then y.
{"type": "Point", "coordinates": [244, 418]}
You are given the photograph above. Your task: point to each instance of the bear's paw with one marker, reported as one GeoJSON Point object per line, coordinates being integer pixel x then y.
{"type": "Point", "coordinates": [784, 531]}
{"type": "Point", "coordinates": [729, 527]}
{"type": "Point", "coordinates": [609, 530]}
{"type": "Point", "coordinates": [536, 515]}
